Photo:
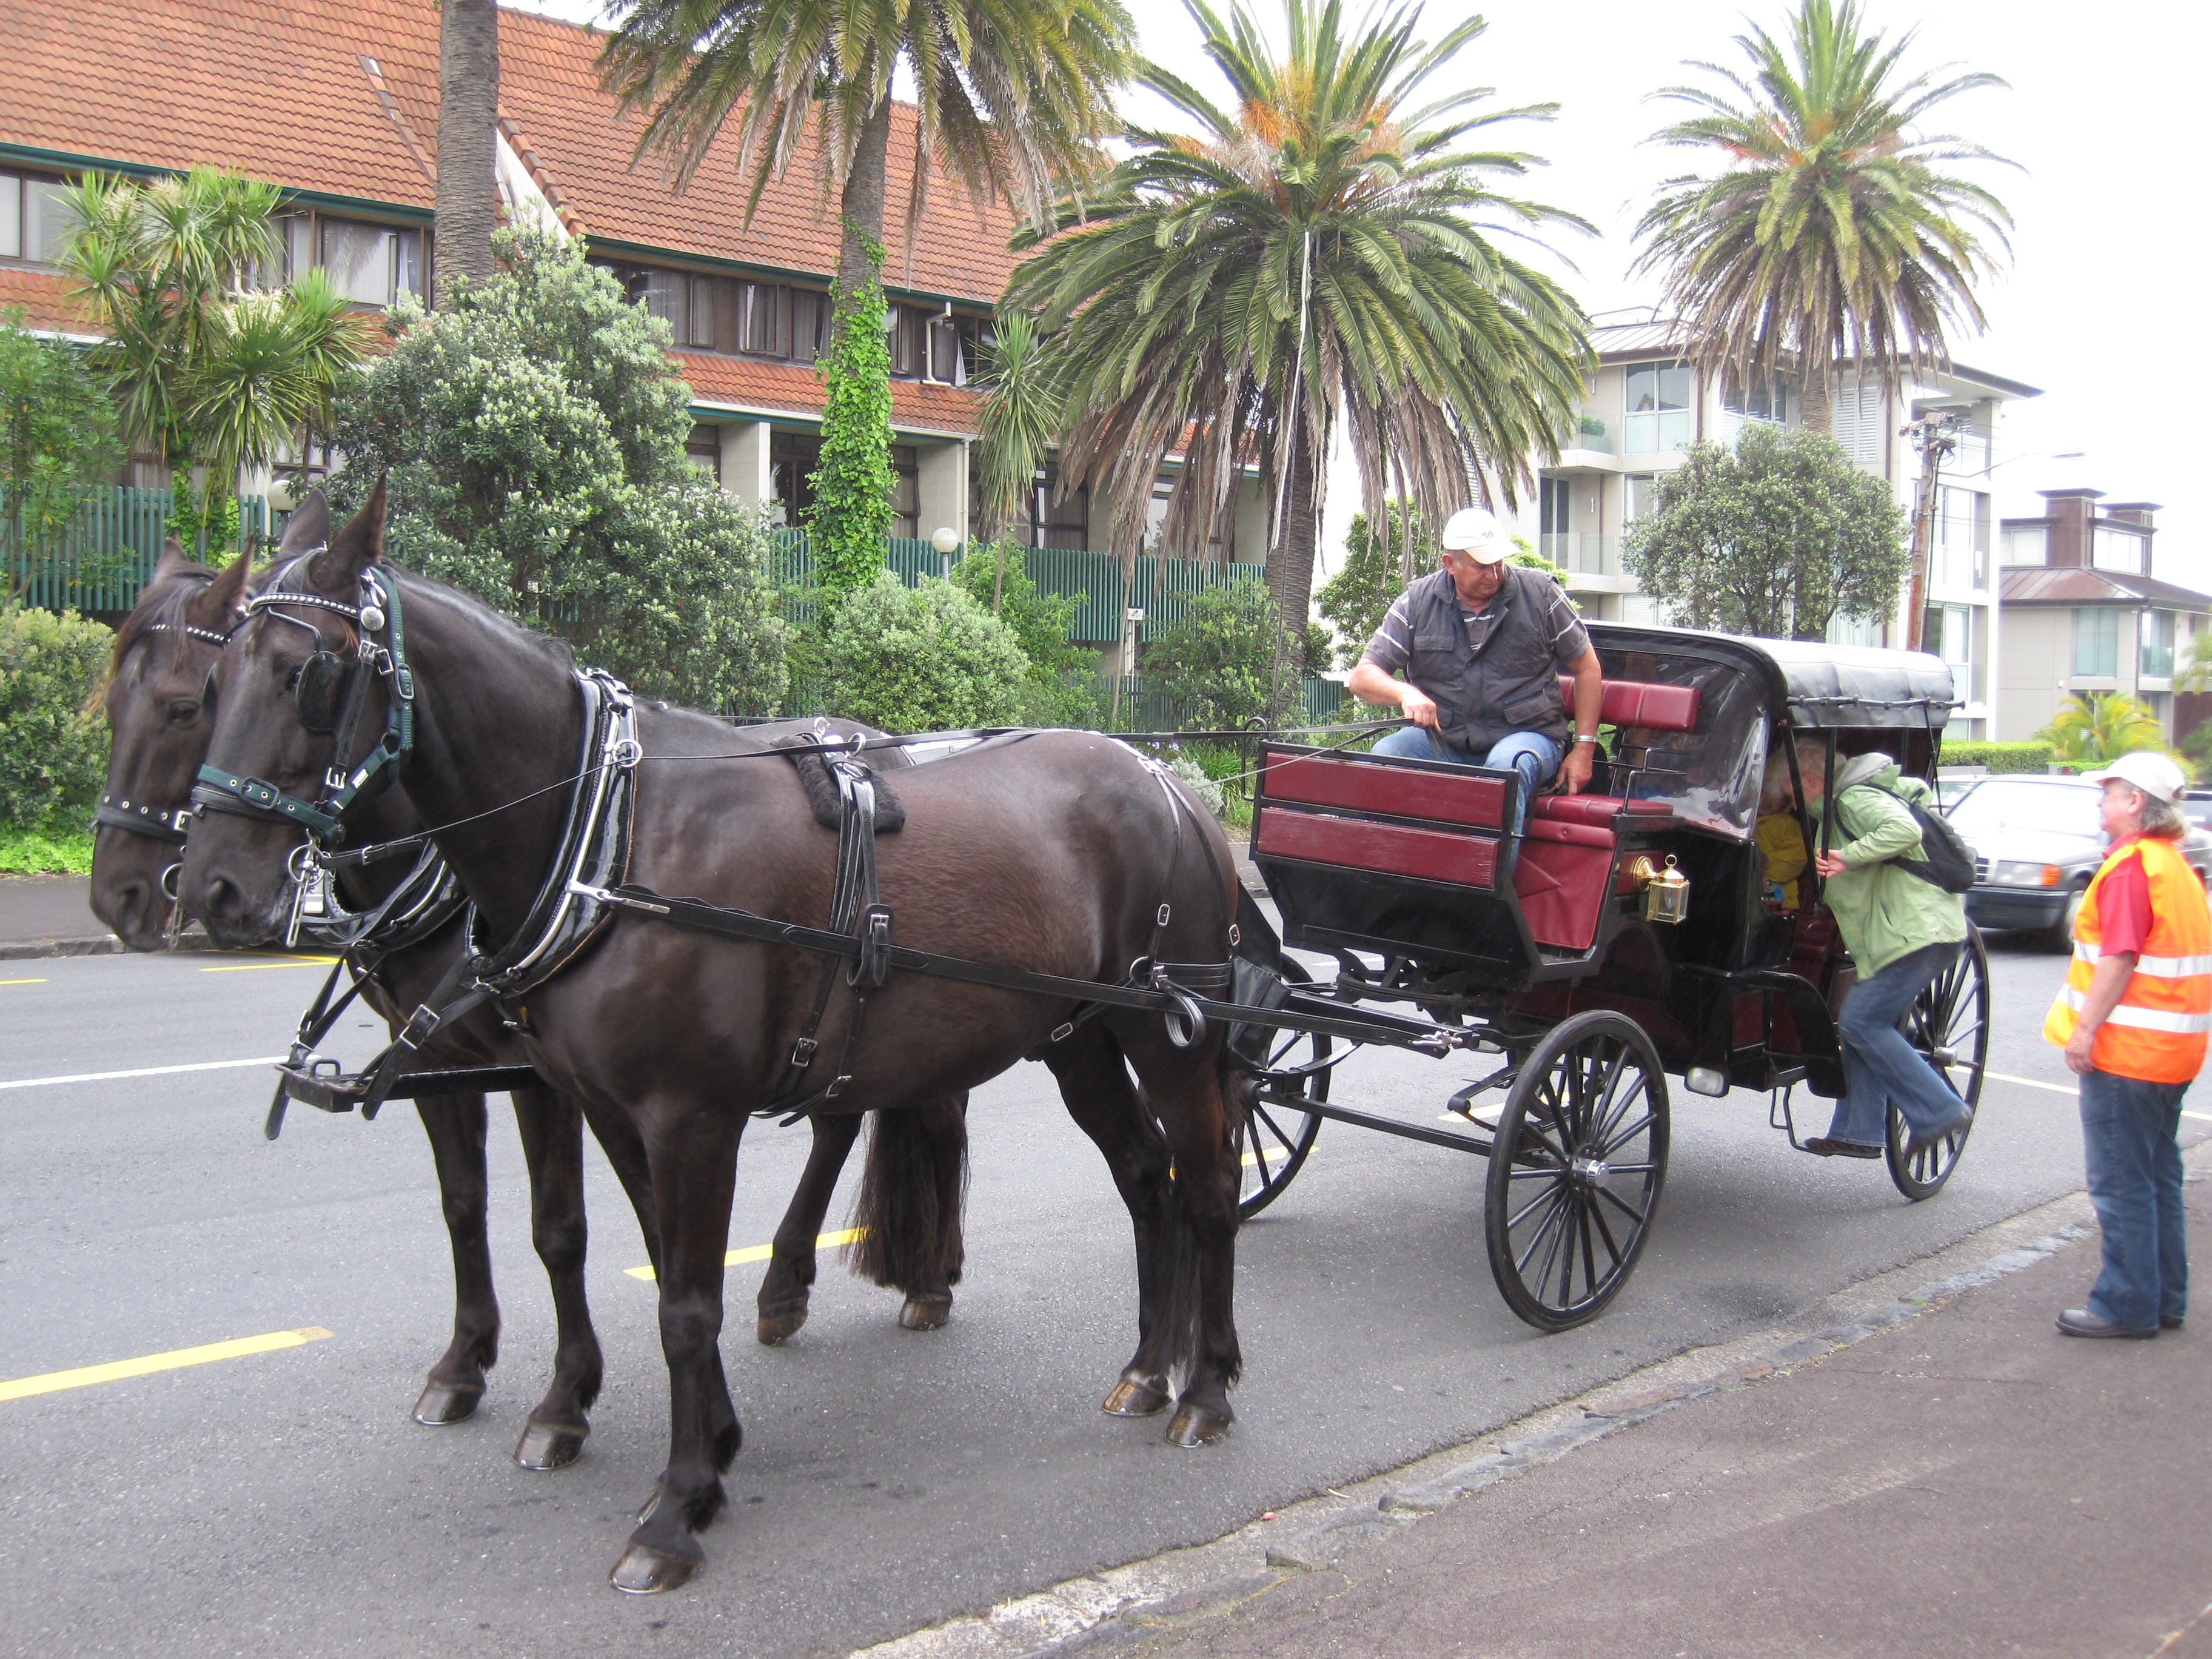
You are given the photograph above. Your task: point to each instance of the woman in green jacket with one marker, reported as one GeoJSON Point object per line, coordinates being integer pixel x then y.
{"type": "Point", "coordinates": [1902, 930]}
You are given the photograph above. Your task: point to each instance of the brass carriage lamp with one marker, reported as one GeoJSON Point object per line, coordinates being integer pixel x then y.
{"type": "Point", "coordinates": [1666, 892]}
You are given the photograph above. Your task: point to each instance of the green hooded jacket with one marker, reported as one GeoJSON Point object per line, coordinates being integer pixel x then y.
{"type": "Point", "coordinates": [1885, 912]}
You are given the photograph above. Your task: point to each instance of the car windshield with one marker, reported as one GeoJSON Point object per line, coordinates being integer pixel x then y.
{"type": "Point", "coordinates": [2063, 809]}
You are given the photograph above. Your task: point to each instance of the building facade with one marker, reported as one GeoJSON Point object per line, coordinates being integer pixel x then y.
{"type": "Point", "coordinates": [2084, 612]}
{"type": "Point", "coordinates": [1648, 404]}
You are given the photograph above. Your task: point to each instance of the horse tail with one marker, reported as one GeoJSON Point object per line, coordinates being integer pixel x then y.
{"type": "Point", "coordinates": [914, 1187]}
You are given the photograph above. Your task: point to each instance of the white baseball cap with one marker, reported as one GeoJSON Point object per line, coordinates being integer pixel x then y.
{"type": "Point", "coordinates": [1475, 533]}
{"type": "Point", "coordinates": [2156, 775]}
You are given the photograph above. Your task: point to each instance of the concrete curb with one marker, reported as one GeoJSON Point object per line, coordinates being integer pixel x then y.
{"type": "Point", "coordinates": [1125, 1607]}
{"type": "Point", "coordinates": [104, 945]}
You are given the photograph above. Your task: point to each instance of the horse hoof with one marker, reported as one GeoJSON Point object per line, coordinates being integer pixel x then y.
{"type": "Point", "coordinates": [546, 1446]}
{"type": "Point", "coordinates": [927, 1310]}
{"type": "Point", "coordinates": [444, 1403]}
{"type": "Point", "coordinates": [781, 1322]}
{"type": "Point", "coordinates": [1197, 1425]}
{"type": "Point", "coordinates": [644, 1570]}
{"type": "Point", "coordinates": [1137, 1397]}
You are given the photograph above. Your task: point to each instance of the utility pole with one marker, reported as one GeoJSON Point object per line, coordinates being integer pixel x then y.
{"type": "Point", "coordinates": [1934, 436]}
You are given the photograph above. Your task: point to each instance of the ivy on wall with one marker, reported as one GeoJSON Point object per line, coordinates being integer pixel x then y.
{"type": "Point", "coordinates": [853, 483]}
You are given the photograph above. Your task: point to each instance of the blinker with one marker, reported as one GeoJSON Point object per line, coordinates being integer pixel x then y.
{"type": "Point", "coordinates": [315, 688]}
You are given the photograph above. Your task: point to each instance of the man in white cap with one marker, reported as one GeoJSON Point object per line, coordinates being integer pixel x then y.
{"type": "Point", "coordinates": [1473, 654]}
{"type": "Point", "coordinates": [2133, 1020]}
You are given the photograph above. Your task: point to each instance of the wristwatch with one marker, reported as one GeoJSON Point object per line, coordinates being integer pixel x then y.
{"type": "Point", "coordinates": [1585, 736]}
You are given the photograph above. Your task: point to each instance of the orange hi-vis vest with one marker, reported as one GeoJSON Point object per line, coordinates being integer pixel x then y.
{"type": "Point", "coordinates": [2157, 1032]}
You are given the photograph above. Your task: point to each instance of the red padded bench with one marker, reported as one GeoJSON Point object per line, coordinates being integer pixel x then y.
{"type": "Point", "coordinates": [1641, 703]}
{"type": "Point", "coordinates": [1461, 800]}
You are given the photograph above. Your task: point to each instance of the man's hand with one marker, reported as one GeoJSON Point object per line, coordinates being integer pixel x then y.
{"type": "Point", "coordinates": [1370, 684]}
{"type": "Point", "coordinates": [1830, 864]}
{"type": "Point", "coordinates": [2079, 1049]}
{"type": "Point", "coordinates": [1575, 770]}
{"type": "Point", "coordinates": [1420, 706]}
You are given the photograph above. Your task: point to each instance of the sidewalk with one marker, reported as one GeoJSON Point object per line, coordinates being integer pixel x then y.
{"type": "Point", "coordinates": [1964, 1482]}
{"type": "Point", "coordinates": [52, 917]}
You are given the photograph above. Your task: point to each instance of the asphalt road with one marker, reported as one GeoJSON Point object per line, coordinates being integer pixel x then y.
{"type": "Point", "coordinates": [283, 1503]}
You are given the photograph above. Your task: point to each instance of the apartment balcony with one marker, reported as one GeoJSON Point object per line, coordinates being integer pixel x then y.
{"type": "Point", "coordinates": [1592, 561]}
{"type": "Point", "coordinates": [2157, 662]}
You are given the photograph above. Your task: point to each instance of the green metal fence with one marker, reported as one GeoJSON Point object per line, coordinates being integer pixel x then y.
{"type": "Point", "coordinates": [107, 556]}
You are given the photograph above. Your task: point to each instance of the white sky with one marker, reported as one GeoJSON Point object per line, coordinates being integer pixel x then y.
{"type": "Point", "coordinates": [2095, 305]}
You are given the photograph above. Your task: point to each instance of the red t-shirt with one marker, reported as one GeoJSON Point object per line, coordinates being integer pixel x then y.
{"type": "Point", "coordinates": [2124, 904]}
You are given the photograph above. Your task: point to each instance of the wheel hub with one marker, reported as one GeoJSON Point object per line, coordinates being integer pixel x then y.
{"type": "Point", "coordinates": [1587, 1171]}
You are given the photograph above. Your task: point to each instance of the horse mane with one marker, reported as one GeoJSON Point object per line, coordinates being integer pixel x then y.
{"type": "Point", "coordinates": [158, 603]}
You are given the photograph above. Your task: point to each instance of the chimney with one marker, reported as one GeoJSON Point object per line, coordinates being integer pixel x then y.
{"type": "Point", "coordinates": [2070, 511]}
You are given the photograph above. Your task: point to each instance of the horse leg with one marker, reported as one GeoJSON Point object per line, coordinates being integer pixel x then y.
{"type": "Point", "coordinates": [1187, 1093]}
{"type": "Point", "coordinates": [1094, 1085]}
{"type": "Point", "coordinates": [908, 1215]}
{"type": "Point", "coordinates": [694, 1168]}
{"type": "Point", "coordinates": [455, 1124]}
{"type": "Point", "coordinates": [553, 1146]}
{"type": "Point", "coordinates": [790, 1276]}
{"type": "Point", "coordinates": [625, 1152]}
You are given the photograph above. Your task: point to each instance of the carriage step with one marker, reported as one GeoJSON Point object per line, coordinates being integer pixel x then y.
{"type": "Point", "coordinates": [330, 1091]}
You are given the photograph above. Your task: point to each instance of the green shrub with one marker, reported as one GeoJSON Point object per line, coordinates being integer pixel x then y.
{"type": "Point", "coordinates": [1998, 756]}
{"type": "Point", "coordinates": [1217, 663]}
{"type": "Point", "coordinates": [1061, 688]}
{"type": "Point", "coordinates": [53, 750]}
{"type": "Point", "coordinates": [924, 659]}
{"type": "Point", "coordinates": [29, 853]}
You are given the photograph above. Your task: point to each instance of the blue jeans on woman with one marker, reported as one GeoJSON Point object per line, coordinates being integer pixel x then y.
{"type": "Point", "coordinates": [2134, 1167]}
{"type": "Point", "coordinates": [1531, 754]}
{"type": "Point", "coordinates": [1880, 1067]}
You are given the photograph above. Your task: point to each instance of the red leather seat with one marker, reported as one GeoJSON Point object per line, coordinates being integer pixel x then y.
{"type": "Point", "coordinates": [1641, 703]}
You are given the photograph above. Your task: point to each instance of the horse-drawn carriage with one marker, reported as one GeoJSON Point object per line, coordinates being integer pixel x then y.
{"type": "Point", "coordinates": [1623, 935]}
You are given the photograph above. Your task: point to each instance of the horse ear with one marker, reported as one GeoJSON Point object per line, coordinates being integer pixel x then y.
{"type": "Point", "coordinates": [308, 526]}
{"type": "Point", "coordinates": [173, 559]}
{"type": "Point", "coordinates": [354, 549]}
{"type": "Point", "coordinates": [216, 605]}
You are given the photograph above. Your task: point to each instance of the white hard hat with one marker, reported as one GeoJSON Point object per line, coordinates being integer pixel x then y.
{"type": "Point", "coordinates": [1474, 532]}
{"type": "Point", "coordinates": [2156, 775]}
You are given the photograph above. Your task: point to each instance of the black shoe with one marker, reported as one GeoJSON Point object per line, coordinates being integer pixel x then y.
{"type": "Point", "coordinates": [2169, 1321]}
{"type": "Point", "coordinates": [1822, 1146]}
{"type": "Point", "coordinates": [2080, 1321]}
{"type": "Point", "coordinates": [1917, 1142]}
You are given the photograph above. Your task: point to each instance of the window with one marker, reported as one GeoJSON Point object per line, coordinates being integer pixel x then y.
{"type": "Point", "coordinates": [792, 460]}
{"type": "Point", "coordinates": [372, 264]}
{"type": "Point", "coordinates": [1048, 523]}
{"type": "Point", "coordinates": [2114, 549]}
{"type": "Point", "coordinates": [1962, 539]}
{"type": "Point", "coordinates": [810, 323]}
{"type": "Point", "coordinates": [1947, 631]}
{"type": "Point", "coordinates": [1638, 495]}
{"type": "Point", "coordinates": [1658, 408]}
{"type": "Point", "coordinates": [2097, 644]}
{"type": "Point", "coordinates": [2157, 641]}
{"type": "Point", "coordinates": [704, 448]}
{"type": "Point", "coordinates": [1765, 397]}
{"type": "Point", "coordinates": [1555, 503]}
{"type": "Point", "coordinates": [760, 319]}
{"type": "Point", "coordinates": [906, 492]}
{"type": "Point", "coordinates": [322, 460]}
{"type": "Point", "coordinates": [2029, 545]}
{"type": "Point", "coordinates": [905, 326]}
{"type": "Point", "coordinates": [33, 222]}
{"type": "Point", "coordinates": [683, 301]}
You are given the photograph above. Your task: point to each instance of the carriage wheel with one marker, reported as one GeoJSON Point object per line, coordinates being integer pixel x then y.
{"type": "Point", "coordinates": [1949, 1024]}
{"type": "Point", "coordinates": [1576, 1170]}
{"type": "Point", "coordinates": [1277, 1137]}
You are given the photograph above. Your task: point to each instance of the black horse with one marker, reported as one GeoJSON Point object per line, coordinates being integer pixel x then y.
{"type": "Point", "coordinates": [1060, 853]}
{"type": "Point", "coordinates": [160, 727]}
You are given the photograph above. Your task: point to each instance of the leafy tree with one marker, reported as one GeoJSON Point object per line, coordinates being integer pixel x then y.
{"type": "Point", "coordinates": [207, 368]}
{"type": "Point", "coordinates": [53, 743]}
{"type": "Point", "coordinates": [927, 658]}
{"type": "Point", "coordinates": [57, 438]}
{"type": "Point", "coordinates": [1217, 661]}
{"type": "Point", "coordinates": [467, 192]}
{"type": "Point", "coordinates": [853, 480]}
{"type": "Point", "coordinates": [1830, 231]}
{"type": "Point", "coordinates": [534, 437]}
{"type": "Point", "coordinates": [1316, 252]}
{"type": "Point", "coordinates": [1061, 690]}
{"type": "Point", "coordinates": [2103, 726]}
{"type": "Point", "coordinates": [1374, 571]}
{"type": "Point", "coordinates": [1772, 538]}
{"type": "Point", "coordinates": [1009, 96]}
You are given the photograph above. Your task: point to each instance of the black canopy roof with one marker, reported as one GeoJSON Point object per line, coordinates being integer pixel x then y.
{"type": "Point", "coordinates": [1822, 685]}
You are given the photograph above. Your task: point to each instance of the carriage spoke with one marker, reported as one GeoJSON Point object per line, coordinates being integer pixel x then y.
{"type": "Point", "coordinates": [1612, 1248]}
{"type": "Point", "coordinates": [1582, 1213]}
{"type": "Point", "coordinates": [1558, 1197]}
{"type": "Point", "coordinates": [1627, 1209]}
{"type": "Point", "coordinates": [1518, 1217]}
{"type": "Point", "coordinates": [1626, 1135]}
{"type": "Point", "coordinates": [1551, 1251]}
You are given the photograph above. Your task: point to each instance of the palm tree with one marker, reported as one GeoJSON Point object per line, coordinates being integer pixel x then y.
{"type": "Point", "coordinates": [1831, 233]}
{"type": "Point", "coordinates": [1010, 96]}
{"type": "Point", "coordinates": [2101, 726]}
{"type": "Point", "coordinates": [468, 120]}
{"type": "Point", "coordinates": [207, 365]}
{"type": "Point", "coordinates": [1319, 255]}
{"type": "Point", "coordinates": [1023, 401]}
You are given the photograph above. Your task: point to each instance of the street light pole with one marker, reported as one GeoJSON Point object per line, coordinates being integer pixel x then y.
{"type": "Point", "coordinates": [1935, 435]}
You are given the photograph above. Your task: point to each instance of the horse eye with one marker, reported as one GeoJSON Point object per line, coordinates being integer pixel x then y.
{"type": "Point", "coordinates": [183, 711]}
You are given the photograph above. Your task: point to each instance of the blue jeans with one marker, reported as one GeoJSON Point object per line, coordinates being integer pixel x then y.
{"type": "Point", "coordinates": [1880, 1065]}
{"type": "Point", "coordinates": [2134, 1165]}
{"type": "Point", "coordinates": [1531, 754]}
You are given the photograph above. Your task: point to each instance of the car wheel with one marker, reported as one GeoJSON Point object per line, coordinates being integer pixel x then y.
{"type": "Point", "coordinates": [2060, 936]}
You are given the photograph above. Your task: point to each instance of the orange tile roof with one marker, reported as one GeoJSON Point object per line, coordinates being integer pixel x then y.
{"type": "Point", "coordinates": [749, 383]}
{"type": "Point", "coordinates": [45, 302]}
{"type": "Point", "coordinates": [276, 89]}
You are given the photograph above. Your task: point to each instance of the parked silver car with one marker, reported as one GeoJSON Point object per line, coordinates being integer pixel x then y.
{"type": "Point", "coordinates": [2037, 841]}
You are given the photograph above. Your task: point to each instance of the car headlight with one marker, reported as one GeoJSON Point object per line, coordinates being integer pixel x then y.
{"type": "Point", "coordinates": [2013, 873]}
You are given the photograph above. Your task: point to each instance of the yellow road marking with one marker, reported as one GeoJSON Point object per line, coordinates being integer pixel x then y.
{"type": "Point", "coordinates": [22, 981]}
{"type": "Point", "coordinates": [762, 1252]}
{"type": "Point", "coordinates": [289, 962]}
{"type": "Point", "coordinates": [23, 1387]}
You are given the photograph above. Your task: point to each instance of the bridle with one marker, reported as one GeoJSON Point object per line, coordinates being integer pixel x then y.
{"type": "Point", "coordinates": [164, 823]}
{"type": "Point", "coordinates": [331, 695]}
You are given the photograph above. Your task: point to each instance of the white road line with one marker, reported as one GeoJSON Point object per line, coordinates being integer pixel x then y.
{"type": "Point", "coordinates": [2072, 1094]}
{"type": "Point", "coordinates": [143, 1071]}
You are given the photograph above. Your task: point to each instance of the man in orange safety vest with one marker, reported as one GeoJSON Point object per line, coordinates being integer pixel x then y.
{"type": "Point", "coordinates": [2133, 1018]}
